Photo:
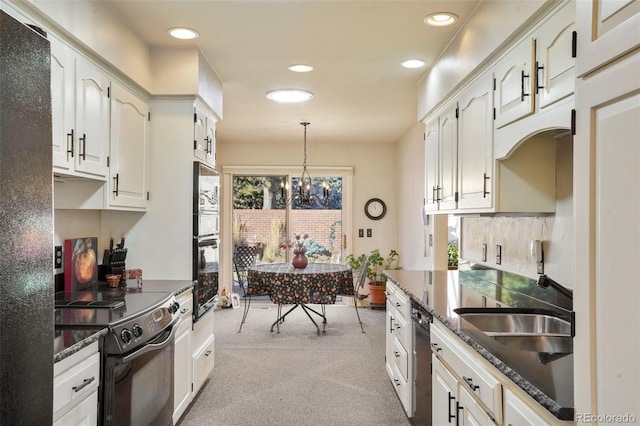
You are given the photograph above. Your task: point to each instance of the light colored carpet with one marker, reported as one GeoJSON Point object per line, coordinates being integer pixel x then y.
{"type": "Point", "coordinates": [296, 377]}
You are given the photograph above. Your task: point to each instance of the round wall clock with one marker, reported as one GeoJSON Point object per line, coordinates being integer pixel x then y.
{"type": "Point", "coordinates": [375, 209]}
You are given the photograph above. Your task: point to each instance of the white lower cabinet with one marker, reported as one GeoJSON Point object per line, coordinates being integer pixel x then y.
{"type": "Point", "coordinates": [182, 364]}
{"type": "Point", "coordinates": [202, 351]}
{"type": "Point", "coordinates": [399, 345]}
{"type": "Point", "coordinates": [467, 390]}
{"type": "Point", "coordinates": [75, 388]}
{"type": "Point", "coordinates": [203, 361]}
{"type": "Point", "coordinates": [517, 413]}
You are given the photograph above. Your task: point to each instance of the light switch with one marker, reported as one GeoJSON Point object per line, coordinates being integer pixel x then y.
{"type": "Point", "coordinates": [360, 233]}
{"type": "Point", "coordinates": [369, 233]}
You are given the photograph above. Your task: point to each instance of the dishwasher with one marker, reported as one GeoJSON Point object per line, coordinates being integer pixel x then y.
{"type": "Point", "coordinates": [421, 320]}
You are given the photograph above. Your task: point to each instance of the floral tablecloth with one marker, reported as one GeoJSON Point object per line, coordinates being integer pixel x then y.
{"type": "Point", "coordinates": [318, 283]}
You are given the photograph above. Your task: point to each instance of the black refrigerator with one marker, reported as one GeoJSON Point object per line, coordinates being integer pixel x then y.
{"type": "Point", "coordinates": [26, 226]}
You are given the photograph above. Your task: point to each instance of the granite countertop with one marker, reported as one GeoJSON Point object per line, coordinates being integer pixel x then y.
{"type": "Point", "coordinates": [546, 378]}
{"type": "Point", "coordinates": [68, 342]}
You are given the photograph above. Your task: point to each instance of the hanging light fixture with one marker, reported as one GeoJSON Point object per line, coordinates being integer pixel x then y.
{"type": "Point", "coordinates": [303, 195]}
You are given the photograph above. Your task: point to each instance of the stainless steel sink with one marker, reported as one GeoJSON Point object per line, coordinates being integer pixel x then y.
{"type": "Point", "coordinates": [525, 329]}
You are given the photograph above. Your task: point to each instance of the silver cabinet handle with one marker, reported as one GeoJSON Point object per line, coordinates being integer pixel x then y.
{"type": "Point", "coordinates": [84, 384]}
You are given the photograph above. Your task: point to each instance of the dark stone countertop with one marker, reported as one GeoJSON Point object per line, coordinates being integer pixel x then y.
{"type": "Point", "coordinates": [548, 379]}
{"type": "Point", "coordinates": [68, 342]}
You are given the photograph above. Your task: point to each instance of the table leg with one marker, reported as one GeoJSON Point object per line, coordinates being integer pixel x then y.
{"type": "Point", "coordinates": [306, 310]}
{"type": "Point", "coordinates": [281, 318]}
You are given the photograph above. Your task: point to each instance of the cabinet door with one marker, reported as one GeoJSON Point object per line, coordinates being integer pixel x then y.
{"type": "Point", "coordinates": [182, 370]}
{"type": "Point", "coordinates": [431, 164]}
{"type": "Point", "coordinates": [389, 339]}
{"type": "Point", "coordinates": [471, 412]}
{"type": "Point", "coordinates": [514, 84]}
{"type": "Point", "coordinates": [606, 29]}
{"type": "Point", "coordinates": [203, 362]}
{"type": "Point", "coordinates": [83, 414]}
{"type": "Point", "coordinates": [129, 150]}
{"type": "Point", "coordinates": [555, 64]}
{"type": "Point", "coordinates": [200, 140]}
{"type": "Point", "coordinates": [607, 216]}
{"type": "Point", "coordinates": [517, 413]}
{"type": "Point", "coordinates": [448, 129]}
{"type": "Point", "coordinates": [92, 119]}
{"type": "Point", "coordinates": [62, 106]}
{"type": "Point", "coordinates": [444, 394]}
{"type": "Point", "coordinates": [210, 140]}
{"type": "Point", "coordinates": [475, 145]}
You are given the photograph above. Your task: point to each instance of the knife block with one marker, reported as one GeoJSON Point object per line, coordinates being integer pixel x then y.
{"type": "Point", "coordinates": [113, 262]}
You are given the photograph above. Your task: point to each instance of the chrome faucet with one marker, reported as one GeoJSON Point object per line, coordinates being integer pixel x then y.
{"type": "Point", "coordinates": [544, 282]}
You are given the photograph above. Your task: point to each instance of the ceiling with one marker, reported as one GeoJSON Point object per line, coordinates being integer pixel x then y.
{"type": "Point", "coordinates": [361, 92]}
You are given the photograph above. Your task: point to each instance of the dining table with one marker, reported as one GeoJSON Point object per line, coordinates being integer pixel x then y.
{"type": "Point", "coordinates": [317, 283]}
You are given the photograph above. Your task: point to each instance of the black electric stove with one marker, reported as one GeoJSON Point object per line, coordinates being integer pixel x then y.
{"type": "Point", "coordinates": [132, 317]}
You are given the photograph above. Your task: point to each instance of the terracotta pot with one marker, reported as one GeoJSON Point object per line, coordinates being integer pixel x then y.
{"type": "Point", "coordinates": [300, 261]}
{"type": "Point", "coordinates": [377, 295]}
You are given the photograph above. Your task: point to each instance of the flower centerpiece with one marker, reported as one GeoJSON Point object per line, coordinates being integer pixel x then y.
{"type": "Point", "coordinates": [299, 261]}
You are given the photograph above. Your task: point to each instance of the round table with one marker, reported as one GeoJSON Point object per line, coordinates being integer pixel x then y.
{"type": "Point", "coordinates": [318, 283]}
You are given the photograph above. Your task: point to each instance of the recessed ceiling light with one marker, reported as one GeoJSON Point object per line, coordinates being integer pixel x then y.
{"type": "Point", "coordinates": [183, 33]}
{"type": "Point", "coordinates": [440, 19]}
{"type": "Point", "coordinates": [413, 63]}
{"type": "Point", "coordinates": [300, 68]}
{"type": "Point", "coordinates": [289, 95]}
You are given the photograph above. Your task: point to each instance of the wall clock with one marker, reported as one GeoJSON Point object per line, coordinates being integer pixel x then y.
{"type": "Point", "coordinates": [375, 209]}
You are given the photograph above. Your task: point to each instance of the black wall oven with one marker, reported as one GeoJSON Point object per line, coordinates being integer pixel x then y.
{"type": "Point", "coordinates": [206, 238]}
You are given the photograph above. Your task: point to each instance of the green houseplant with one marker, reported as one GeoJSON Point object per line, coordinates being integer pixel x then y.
{"type": "Point", "coordinates": [377, 264]}
{"type": "Point", "coordinates": [452, 256]}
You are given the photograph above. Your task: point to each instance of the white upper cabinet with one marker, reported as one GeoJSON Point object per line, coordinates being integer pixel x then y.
{"type": "Point", "coordinates": [62, 106]}
{"type": "Point", "coordinates": [535, 81]}
{"type": "Point", "coordinates": [431, 163]}
{"type": "Point", "coordinates": [204, 139]}
{"type": "Point", "coordinates": [448, 129]}
{"type": "Point", "coordinates": [128, 174]}
{"type": "Point", "coordinates": [80, 114]}
{"type": "Point", "coordinates": [92, 119]}
{"type": "Point", "coordinates": [555, 58]}
{"type": "Point", "coordinates": [514, 83]}
{"type": "Point", "coordinates": [475, 145]}
{"type": "Point", "coordinates": [607, 29]}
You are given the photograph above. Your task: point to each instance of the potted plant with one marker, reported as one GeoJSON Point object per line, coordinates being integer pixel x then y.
{"type": "Point", "coordinates": [377, 280]}
{"type": "Point", "coordinates": [452, 256]}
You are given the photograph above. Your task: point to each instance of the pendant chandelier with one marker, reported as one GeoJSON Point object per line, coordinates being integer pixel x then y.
{"type": "Point", "coordinates": [303, 194]}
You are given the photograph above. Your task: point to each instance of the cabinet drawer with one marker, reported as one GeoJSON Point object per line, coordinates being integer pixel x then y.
{"type": "Point", "coordinates": [85, 413]}
{"type": "Point", "coordinates": [401, 329]}
{"type": "Point", "coordinates": [401, 359]}
{"type": "Point", "coordinates": [400, 302]}
{"type": "Point", "coordinates": [203, 362]}
{"type": "Point", "coordinates": [75, 383]}
{"type": "Point", "coordinates": [472, 374]}
{"type": "Point", "coordinates": [402, 388]}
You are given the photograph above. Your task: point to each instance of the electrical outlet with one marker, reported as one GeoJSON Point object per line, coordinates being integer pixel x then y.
{"type": "Point", "coordinates": [360, 233]}
{"type": "Point", "coordinates": [430, 240]}
{"type": "Point", "coordinates": [57, 257]}
{"type": "Point", "coordinates": [484, 252]}
{"type": "Point", "coordinates": [369, 233]}
{"type": "Point", "coordinates": [498, 254]}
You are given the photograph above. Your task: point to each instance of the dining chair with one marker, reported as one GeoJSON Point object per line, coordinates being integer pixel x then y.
{"type": "Point", "coordinates": [243, 258]}
{"type": "Point", "coordinates": [358, 285]}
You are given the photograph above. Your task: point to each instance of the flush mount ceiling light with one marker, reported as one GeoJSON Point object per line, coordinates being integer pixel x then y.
{"type": "Point", "coordinates": [289, 95]}
{"type": "Point", "coordinates": [300, 68]}
{"type": "Point", "coordinates": [413, 63]}
{"type": "Point", "coordinates": [183, 33]}
{"type": "Point", "coordinates": [440, 19]}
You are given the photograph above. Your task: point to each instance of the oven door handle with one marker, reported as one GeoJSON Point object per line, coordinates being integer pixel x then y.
{"type": "Point", "coordinates": [150, 347]}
